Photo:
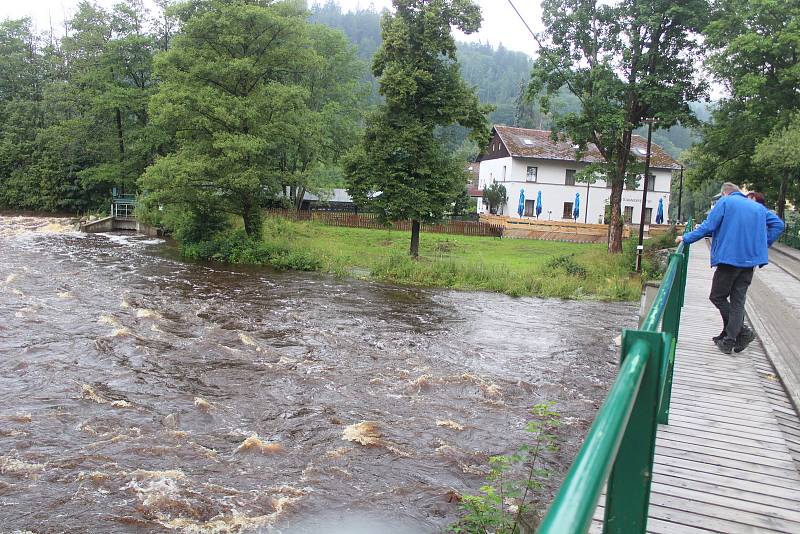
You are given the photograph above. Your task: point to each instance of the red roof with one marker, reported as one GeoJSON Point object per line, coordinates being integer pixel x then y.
{"type": "Point", "coordinates": [525, 143]}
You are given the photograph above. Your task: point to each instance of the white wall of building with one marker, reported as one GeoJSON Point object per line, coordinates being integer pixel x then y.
{"type": "Point", "coordinates": [550, 180]}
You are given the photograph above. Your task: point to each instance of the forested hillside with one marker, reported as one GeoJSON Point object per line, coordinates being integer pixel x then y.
{"type": "Point", "coordinates": [500, 75]}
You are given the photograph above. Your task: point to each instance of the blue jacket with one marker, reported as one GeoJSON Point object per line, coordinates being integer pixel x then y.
{"type": "Point", "coordinates": [742, 230]}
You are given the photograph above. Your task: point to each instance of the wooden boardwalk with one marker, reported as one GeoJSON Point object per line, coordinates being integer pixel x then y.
{"type": "Point", "coordinates": [729, 461]}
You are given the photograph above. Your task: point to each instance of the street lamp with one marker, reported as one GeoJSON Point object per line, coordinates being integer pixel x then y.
{"type": "Point", "coordinates": [680, 196]}
{"type": "Point", "coordinates": [640, 247]}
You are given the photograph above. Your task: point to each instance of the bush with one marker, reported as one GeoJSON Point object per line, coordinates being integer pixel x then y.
{"type": "Point", "coordinates": [567, 264]}
{"type": "Point", "coordinates": [237, 247]}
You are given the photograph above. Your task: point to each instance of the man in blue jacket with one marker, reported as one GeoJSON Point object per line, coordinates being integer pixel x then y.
{"type": "Point", "coordinates": [741, 231]}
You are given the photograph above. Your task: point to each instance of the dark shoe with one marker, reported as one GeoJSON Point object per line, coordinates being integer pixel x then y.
{"type": "Point", "coordinates": [725, 345]}
{"type": "Point", "coordinates": [720, 337]}
{"type": "Point", "coordinates": [745, 338]}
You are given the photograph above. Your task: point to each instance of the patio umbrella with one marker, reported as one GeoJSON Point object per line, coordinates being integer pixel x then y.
{"type": "Point", "coordinates": [521, 207]}
{"type": "Point", "coordinates": [538, 204]}
{"type": "Point", "coordinates": [576, 210]}
{"type": "Point", "coordinates": [660, 211]}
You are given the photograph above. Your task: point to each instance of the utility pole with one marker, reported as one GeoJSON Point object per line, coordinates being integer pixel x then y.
{"type": "Point", "coordinates": [586, 209]}
{"type": "Point", "coordinates": [680, 196]}
{"type": "Point", "coordinates": [640, 247]}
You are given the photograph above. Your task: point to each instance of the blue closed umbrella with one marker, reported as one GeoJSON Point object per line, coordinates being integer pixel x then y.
{"type": "Point", "coordinates": [538, 203]}
{"type": "Point", "coordinates": [577, 209]}
{"type": "Point", "coordinates": [660, 211]}
{"type": "Point", "coordinates": [521, 207]}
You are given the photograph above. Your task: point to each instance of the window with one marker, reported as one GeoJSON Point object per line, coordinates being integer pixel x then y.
{"type": "Point", "coordinates": [532, 172]}
{"type": "Point", "coordinates": [627, 216]}
{"type": "Point", "coordinates": [504, 173]}
{"type": "Point", "coordinates": [651, 182]}
{"type": "Point", "coordinates": [530, 208]}
{"type": "Point", "coordinates": [528, 142]}
{"type": "Point", "coordinates": [570, 177]}
{"type": "Point", "coordinates": [567, 211]}
{"type": "Point", "coordinates": [648, 215]}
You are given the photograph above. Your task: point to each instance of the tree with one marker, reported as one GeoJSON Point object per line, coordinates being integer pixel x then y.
{"type": "Point", "coordinates": [257, 98]}
{"type": "Point", "coordinates": [779, 154]}
{"type": "Point", "coordinates": [400, 168]}
{"type": "Point", "coordinates": [623, 61]}
{"type": "Point", "coordinates": [495, 196]}
{"type": "Point", "coordinates": [754, 50]}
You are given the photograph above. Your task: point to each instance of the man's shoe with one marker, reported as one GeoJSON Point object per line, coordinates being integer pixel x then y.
{"type": "Point", "coordinates": [743, 340]}
{"type": "Point", "coordinates": [720, 337]}
{"type": "Point", "coordinates": [725, 345]}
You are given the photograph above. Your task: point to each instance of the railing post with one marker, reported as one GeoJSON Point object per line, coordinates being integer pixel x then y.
{"type": "Point", "coordinates": [628, 491]}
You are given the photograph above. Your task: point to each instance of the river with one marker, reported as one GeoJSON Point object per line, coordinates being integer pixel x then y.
{"type": "Point", "coordinates": [140, 393]}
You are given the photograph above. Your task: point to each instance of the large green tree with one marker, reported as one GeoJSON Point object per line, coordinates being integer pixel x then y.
{"type": "Point", "coordinates": [779, 154]}
{"type": "Point", "coordinates": [400, 168]}
{"type": "Point", "coordinates": [74, 121]}
{"type": "Point", "coordinates": [754, 51]}
{"type": "Point", "coordinates": [258, 99]}
{"type": "Point", "coordinates": [624, 61]}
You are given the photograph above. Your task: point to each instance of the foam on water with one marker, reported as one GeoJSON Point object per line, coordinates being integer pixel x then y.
{"type": "Point", "coordinates": [254, 443]}
{"type": "Point", "coordinates": [11, 465]}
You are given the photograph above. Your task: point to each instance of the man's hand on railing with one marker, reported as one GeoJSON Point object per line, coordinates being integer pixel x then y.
{"type": "Point", "coordinates": [679, 240]}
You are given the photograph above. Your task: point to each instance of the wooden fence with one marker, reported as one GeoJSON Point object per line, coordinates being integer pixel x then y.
{"type": "Point", "coordinates": [370, 220]}
{"type": "Point", "coordinates": [575, 232]}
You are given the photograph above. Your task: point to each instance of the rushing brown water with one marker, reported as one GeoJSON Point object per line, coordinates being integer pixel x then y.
{"type": "Point", "coordinates": [139, 393]}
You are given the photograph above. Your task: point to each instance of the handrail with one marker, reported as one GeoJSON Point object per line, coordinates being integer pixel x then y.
{"type": "Point", "coordinates": [653, 317]}
{"type": "Point", "coordinates": [620, 445]}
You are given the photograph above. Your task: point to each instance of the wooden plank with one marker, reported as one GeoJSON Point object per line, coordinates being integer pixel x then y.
{"type": "Point", "coordinates": [721, 440]}
{"type": "Point", "coordinates": [752, 464]}
{"type": "Point", "coordinates": [700, 422]}
{"type": "Point", "coordinates": [733, 491]}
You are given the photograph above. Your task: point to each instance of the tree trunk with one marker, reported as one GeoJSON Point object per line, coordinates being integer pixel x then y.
{"type": "Point", "coordinates": [617, 185]}
{"type": "Point", "coordinates": [119, 135]}
{"type": "Point", "coordinates": [414, 251]}
{"type": "Point", "coordinates": [616, 224]}
{"type": "Point", "coordinates": [780, 208]}
{"type": "Point", "coordinates": [299, 194]}
{"type": "Point", "coordinates": [251, 216]}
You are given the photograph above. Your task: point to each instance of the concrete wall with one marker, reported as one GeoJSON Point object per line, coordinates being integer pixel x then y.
{"type": "Point", "coordinates": [550, 180]}
{"type": "Point", "coordinates": [100, 225]}
{"type": "Point", "coordinates": [110, 224]}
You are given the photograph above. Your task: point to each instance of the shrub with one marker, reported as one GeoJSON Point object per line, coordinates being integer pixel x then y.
{"type": "Point", "coordinates": [506, 504]}
{"type": "Point", "coordinates": [567, 264]}
{"type": "Point", "coordinates": [236, 246]}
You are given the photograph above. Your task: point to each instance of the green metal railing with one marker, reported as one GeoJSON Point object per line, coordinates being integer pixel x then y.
{"type": "Point", "coordinates": [621, 443]}
{"type": "Point", "coordinates": [791, 236]}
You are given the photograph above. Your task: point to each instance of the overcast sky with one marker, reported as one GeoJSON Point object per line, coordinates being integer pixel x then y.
{"type": "Point", "coordinates": [500, 23]}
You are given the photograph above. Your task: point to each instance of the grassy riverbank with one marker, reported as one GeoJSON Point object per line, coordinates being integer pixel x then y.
{"type": "Point", "coordinates": [515, 267]}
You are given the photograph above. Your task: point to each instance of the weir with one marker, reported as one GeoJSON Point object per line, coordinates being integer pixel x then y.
{"type": "Point", "coordinates": [122, 218]}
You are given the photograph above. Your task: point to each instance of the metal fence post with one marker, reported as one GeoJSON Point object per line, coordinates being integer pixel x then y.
{"type": "Point", "coordinates": [628, 491]}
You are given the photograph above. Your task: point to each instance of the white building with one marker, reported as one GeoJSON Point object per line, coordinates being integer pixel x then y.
{"type": "Point", "coordinates": [529, 160]}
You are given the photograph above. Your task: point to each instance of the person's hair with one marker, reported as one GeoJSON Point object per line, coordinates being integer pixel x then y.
{"type": "Point", "coordinates": [758, 197]}
{"type": "Point", "coordinates": [728, 188]}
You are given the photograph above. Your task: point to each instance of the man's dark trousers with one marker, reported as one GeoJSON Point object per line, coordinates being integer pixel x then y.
{"type": "Point", "coordinates": [728, 294]}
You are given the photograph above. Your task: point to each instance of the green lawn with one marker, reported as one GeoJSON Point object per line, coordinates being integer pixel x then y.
{"type": "Point", "coordinates": [513, 266]}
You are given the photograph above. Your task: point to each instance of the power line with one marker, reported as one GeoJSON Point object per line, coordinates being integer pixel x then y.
{"type": "Point", "coordinates": [535, 37]}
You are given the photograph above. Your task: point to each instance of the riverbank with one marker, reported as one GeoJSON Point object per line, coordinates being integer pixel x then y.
{"type": "Point", "coordinates": [516, 267]}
